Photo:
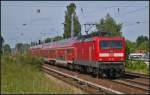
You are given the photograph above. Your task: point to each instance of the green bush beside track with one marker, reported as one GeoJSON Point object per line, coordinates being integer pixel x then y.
{"type": "Point", "coordinates": [137, 66]}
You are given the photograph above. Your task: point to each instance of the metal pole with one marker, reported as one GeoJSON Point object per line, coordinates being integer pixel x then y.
{"type": "Point", "coordinates": [72, 25]}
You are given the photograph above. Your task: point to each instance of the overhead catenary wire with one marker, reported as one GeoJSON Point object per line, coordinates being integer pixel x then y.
{"type": "Point", "coordinates": [129, 12]}
{"type": "Point", "coordinates": [82, 11]}
{"type": "Point", "coordinates": [120, 15]}
{"type": "Point", "coordinates": [133, 11]}
{"type": "Point", "coordinates": [123, 14]}
{"type": "Point", "coordinates": [135, 23]}
{"type": "Point", "coordinates": [80, 6]}
{"type": "Point", "coordinates": [45, 19]}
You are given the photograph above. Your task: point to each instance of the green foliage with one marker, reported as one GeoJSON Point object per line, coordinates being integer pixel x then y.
{"type": "Point", "coordinates": [141, 39]}
{"type": "Point", "coordinates": [28, 59]}
{"type": "Point", "coordinates": [57, 38]}
{"type": "Point", "coordinates": [67, 26]}
{"type": "Point", "coordinates": [109, 25]}
{"type": "Point", "coordinates": [142, 43]}
{"type": "Point", "coordinates": [130, 46]}
{"type": "Point", "coordinates": [22, 48]}
{"type": "Point", "coordinates": [6, 49]}
{"type": "Point", "coordinates": [19, 75]}
{"type": "Point", "coordinates": [8, 59]}
{"type": "Point", "coordinates": [48, 40]}
{"type": "Point", "coordinates": [19, 47]}
{"type": "Point", "coordinates": [22, 59]}
{"type": "Point", "coordinates": [138, 66]}
{"type": "Point", "coordinates": [143, 46]}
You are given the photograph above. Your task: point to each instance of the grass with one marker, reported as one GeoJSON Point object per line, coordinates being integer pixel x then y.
{"type": "Point", "coordinates": [137, 66]}
{"type": "Point", "coordinates": [22, 75]}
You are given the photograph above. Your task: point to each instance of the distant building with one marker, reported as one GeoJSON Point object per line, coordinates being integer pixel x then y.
{"type": "Point", "coordinates": [139, 56]}
{"type": "Point", "coordinates": [146, 56]}
{"type": "Point", "coordinates": [136, 55]}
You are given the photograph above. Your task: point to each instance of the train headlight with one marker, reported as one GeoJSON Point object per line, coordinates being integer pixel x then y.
{"type": "Point", "coordinates": [118, 54]}
{"type": "Point", "coordinates": [103, 54]}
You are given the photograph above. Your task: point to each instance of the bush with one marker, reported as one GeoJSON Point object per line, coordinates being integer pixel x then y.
{"type": "Point", "coordinates": [22, 59]}
{"type": "Point", "coordinates": [8, 59]}
{"type": "Point", "coordinates": [137, 66]}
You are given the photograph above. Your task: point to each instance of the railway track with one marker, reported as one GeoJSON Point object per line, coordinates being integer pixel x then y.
{"type": "Point", "coordinates": [80, 83]}
{"type": "Point", "coordinates": [94, 85]}
{"type": "Point", "coordinates": [137, 75]}
{"type": "Point", "coordinates": [140, 81]}
{"type": "Point", "coordinates": [131, 83]}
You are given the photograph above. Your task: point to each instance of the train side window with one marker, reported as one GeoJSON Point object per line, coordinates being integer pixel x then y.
{"type": "Point", "coordinates": [51, 51]}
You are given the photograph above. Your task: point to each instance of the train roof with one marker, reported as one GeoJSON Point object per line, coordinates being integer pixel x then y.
{"type": "Point", "coordinates": [61, 43]}
{"type": "Point", "coordinates": [70, 41]}
{"type": "Point", "coordinates": [36, 46]}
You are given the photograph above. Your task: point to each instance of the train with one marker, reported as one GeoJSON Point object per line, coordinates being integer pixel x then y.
{"type": "Point", "coordinates": [96, 55]}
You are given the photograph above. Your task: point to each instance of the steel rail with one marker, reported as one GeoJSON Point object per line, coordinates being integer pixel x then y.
{"type": "Point", "coordinates": [137, 74]}
{"type": "Point", "coordinates": [145, 89]}
{"type": "Point", "coordinates": [137, 82]}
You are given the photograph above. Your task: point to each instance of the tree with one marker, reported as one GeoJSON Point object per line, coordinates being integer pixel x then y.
{"type": "Point", "coordinates": [1, 43]}
{"type": "Point", "coordinates": [143, 46]}
{"type": "Point", "coordinates": [141, 39]}
{"type": "Point", "coordinates": [57, 38]}
{"type": "Point", "coordinates": [48, 40]}
{"type": "Point", "coordinates": [25, 47]}
{"type": "Point", "coordinates": [22, 48]}
{"type": "Point", "coordinates": [6, 49]}
{"type": "Point", "coordinates": [19, 47]}
{"type": "Point", "coordinates": [109, 25]}
{"type": "Point", "coordinates": [67, 25]}
{"type": "Point", "coordinates": [130, 46]}
{"type": "Point", "coordinates": [142, 43]}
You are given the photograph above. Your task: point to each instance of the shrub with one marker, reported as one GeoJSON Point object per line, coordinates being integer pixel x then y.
{"type": "Point", "coordinates": [22, 59]}
{"type": "Point", "coordinates": [137, 66]}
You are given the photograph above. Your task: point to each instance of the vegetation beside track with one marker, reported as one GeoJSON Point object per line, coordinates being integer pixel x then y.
{"type": "Point", "coordinates": [22, 74]}
{"type": "Point", "coordinates": [137, 66]}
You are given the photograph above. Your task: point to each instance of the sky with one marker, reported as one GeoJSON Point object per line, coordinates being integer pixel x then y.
{"type": "Point", "coordinates": [21, 23]}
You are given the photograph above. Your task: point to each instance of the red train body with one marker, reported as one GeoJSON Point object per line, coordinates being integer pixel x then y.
{"type": "Point", "coordinates": [96, 54]}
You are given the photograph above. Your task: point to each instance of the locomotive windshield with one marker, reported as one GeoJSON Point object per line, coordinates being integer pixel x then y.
{"type": "Point", "coordinates": [111, 44]}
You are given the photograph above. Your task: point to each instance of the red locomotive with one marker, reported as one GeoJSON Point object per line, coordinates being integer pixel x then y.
{"type": "Point", "coordinates": [96, 55]}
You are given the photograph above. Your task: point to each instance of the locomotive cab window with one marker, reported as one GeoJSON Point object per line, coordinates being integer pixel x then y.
{"type": "Point", "coordinates": [105, 44]}
{"type": "Point", "coordinates": [117, 44]}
